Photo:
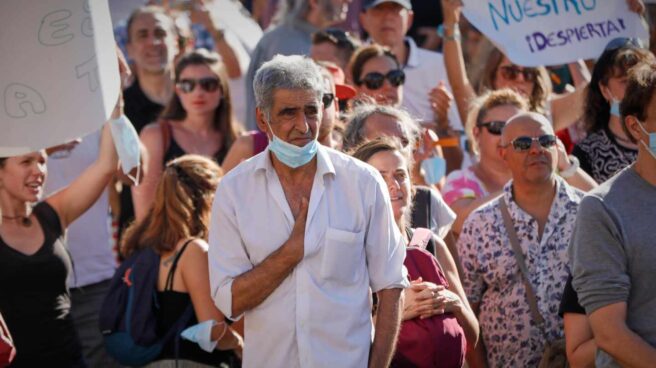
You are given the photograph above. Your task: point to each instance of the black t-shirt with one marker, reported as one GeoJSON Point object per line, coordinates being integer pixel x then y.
{"type": "Point", "coordinates": [601, 156]}
{"type": "Point", "coordinates": [426, 14]}
{"type": "Point", "coordinates": [570, 300]}
{"type": "Point", "coordinates": [141, 111]}
{"type": "Point", "coordinates": [35, 301]}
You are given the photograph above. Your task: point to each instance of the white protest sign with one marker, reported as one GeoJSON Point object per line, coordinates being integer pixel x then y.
{"type": "Point", "coordinates": [231, 14]}
{"type": "Point", "coordinates": [59, 78]}
{"type": "Point", "coordinates": [553, 32]}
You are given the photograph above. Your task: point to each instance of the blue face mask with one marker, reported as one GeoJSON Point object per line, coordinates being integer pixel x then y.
{"type": "Point", "coordinates": [652, 141]}
{"type": "Point", "coordinates": [615, 108]}
{"type": "Point", "coordinates": [291, 155]}
{"type": "Point", "coordinates": [126, 141]}
{"type": "Point", "coordinates": [434, 169]}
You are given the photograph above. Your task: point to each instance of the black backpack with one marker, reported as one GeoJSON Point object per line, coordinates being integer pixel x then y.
{"type": "Point", "coordinates": [128, 316]}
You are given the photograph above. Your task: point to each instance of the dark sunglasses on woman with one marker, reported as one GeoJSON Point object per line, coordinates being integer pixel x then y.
{"type": "Point", "coordinates": [375, 80]}
{"type": "Point", "coordinates": [522, 144]}
{"type": "Point", "coordinates": [206, 84]}
{"type": "Point", "coordinates": [493, 127]}
{"type": "Point", "coordinates": [511, 72]}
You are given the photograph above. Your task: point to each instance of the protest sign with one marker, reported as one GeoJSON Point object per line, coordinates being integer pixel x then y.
{"type": "Point", "coordinates": [553, 32]}
{"type": "Point", "coordinates": [59, 77]}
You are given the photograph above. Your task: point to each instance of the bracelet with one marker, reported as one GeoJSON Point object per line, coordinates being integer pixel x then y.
{"type": "Point", "coordinates": [455, 34]}
{"type": "Point", "coordinates": [571, 170]}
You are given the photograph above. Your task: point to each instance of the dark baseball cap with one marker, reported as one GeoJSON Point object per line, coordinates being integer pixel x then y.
{"type": "Point", "coordinates": [368, 4]}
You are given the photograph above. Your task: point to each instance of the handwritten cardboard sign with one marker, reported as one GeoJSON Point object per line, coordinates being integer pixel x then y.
{"type": "Point", "coordinates": [59, 78]}
{"type": "Point", "coordinates": [553, 32]}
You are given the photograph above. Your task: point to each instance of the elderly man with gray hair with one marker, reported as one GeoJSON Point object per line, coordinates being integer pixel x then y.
{"type": "Point", "coordinates": [300, 233]}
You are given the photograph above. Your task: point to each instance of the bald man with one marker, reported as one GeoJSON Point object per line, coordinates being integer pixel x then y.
{"type": "Point", "coordinates": [542, 208]}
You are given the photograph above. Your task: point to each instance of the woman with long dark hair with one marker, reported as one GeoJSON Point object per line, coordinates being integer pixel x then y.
{"type": "Point", "coordinates": [197, 120]}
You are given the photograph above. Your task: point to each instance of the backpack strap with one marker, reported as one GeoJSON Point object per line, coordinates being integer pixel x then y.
{"type": "Point", "coordinates": [169, 277]}
{"type": "Point", "coordinates": [421, 212]}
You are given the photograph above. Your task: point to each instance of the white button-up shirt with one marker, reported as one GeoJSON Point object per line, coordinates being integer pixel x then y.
{"type": "Point", "coordinates": [320, 315]}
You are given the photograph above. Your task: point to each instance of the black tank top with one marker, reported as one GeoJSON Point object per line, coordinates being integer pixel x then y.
{"type": "Point", "coordinates": [35, 301]}
{"type": "Point", "coordinates": [172, 304]}
{"type": "Point", "coordinates": [174, 150]}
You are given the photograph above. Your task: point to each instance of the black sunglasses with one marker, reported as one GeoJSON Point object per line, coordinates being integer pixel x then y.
{"type": "Point", "coordinates": [522, 144]}
{"type": "Point", "coordinates": [327, 99]}
{"type": "Point", "coordinates": [375, 80]}
{"type": "Point", "coordinates": [207, 84]}
{"type": "Point", "coordinates": [511, 72]}
{"type": "Point", "coordinates": [493, 127]}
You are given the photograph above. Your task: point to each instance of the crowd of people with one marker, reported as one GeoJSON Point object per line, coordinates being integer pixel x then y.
{"type": "Point", "coordinates": [329, 200]}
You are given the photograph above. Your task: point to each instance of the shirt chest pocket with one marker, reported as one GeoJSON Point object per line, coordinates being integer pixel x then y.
{"type": "Point", "coordinates": [343, 256]}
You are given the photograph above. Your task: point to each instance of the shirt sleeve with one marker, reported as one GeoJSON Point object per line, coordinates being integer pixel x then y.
{"type": "Point", "coordinates": [599, 260]}
{"type": "Point", "coordinates": [442, 216]}
{"type": "Point", "coordinates": [227, 255]}
{"type": "Point", "coordinates": [384, 248]}
{"type": "Point", "coordinates": [472, 279]}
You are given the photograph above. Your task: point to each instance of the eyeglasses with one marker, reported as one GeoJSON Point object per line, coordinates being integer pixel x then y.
{"type": "Point", "coordinates": [522, 144]}
{"type": "Point", "coordinates": [335, 36]}
{"type": "Point", "coordinates": [375, 80]}
{"type": "Point", "coordinates": [511, 72]}
{"type": "Point", "coordinates": [327, 99]}
{"type": "Point", "coordinates": [493, 127]}
{"type": "Point", "coordinates": [621, 42]}
{"type": "Point", "coordinates": [206, 84]}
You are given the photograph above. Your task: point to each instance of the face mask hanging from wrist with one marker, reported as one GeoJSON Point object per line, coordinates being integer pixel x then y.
{"type": "Point", "coordinates": [292, 155]}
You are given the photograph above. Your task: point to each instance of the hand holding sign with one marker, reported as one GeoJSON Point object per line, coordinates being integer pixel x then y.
{"type": "Point", "coordinates": [533, 33]}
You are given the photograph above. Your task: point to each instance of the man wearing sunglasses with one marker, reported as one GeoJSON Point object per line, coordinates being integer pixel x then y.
{"type": "Point", "coordinates": [304, 290]}
{"type": "Point", "coordinates": [613, 249]}
{"type": "Point", "coordinates": [291, 36]}
{"type": "Point", "coordinates": [542, 209]}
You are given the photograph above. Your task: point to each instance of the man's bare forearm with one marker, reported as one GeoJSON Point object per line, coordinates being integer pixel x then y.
{"type": "Point", "coordinates": [253, 287]}
{"type": "Point", "coordinates": [388, 320]}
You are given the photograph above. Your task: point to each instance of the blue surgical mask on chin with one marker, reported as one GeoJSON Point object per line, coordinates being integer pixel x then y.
{"type": "Point", "coordinates": [292, 155]}
{"type": "Point", "coordinates": [615, 108]}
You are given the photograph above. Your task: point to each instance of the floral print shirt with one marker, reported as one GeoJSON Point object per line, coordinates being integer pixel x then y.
{"type": "Point", "coordinates": [492, 277]}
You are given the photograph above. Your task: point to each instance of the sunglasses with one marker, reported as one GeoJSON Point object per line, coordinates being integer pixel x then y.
{"type": "Point", "coordinates": [512, 72]}
{"type": "Point", "coordinates": [206, 84]}
{"type": "Point", "coordinates": [522, 144]}
{"type": "Point", "coordinates": [375, 80]}
{"type": "Point", "coordinates": [335, 36]}
{"type": "Point", "coordinates": [621, 42]}
{"type": "Point", "coordinates": [327, 99]}
{"type": "Point", "coordinates": [493, 127]}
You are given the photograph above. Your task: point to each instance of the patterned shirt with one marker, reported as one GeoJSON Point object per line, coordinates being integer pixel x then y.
{"type": "Point", "coordinates": [602, 156]}
{"type": "Point", "coordinates": [492, 277]}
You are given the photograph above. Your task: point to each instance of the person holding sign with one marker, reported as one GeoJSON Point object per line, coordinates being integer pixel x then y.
{"type": "Point", "coordinates": [198, 119]}
{"type": "Point", "coordinates": [34, 261]}
{"type": "Point", "coordinates": [500, 72]}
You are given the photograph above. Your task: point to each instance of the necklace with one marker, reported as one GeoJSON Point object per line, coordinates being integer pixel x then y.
{"type": "Point", "coordinates": [24, 220]}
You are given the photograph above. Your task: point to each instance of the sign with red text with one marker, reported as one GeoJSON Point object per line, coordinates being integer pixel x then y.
{"type": "Point", "coordinates": [59, 78]}
{"type": "Point", "coordinates": [553, 32]}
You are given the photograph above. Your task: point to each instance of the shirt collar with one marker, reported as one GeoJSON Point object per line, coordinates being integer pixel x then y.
{"type": "Point", "coordinates": [413, 58]}
{"type": "Point", "coordinates": [324, 163]}
{"type": "Point", "coordinates": [565, 197]}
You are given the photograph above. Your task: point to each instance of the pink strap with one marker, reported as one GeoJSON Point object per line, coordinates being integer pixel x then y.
{"type": "Point", "coordinates": [420, 237]}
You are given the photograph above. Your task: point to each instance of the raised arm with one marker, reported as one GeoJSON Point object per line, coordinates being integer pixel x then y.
{"type": "Point", "coordinates": [463, 91]}
{"type": "Point", "coordinates": [568, 108]}
{"type": "Point", "coordinates": [144, 194]}
{"type": "Point", "coordinates": [72, 201]}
